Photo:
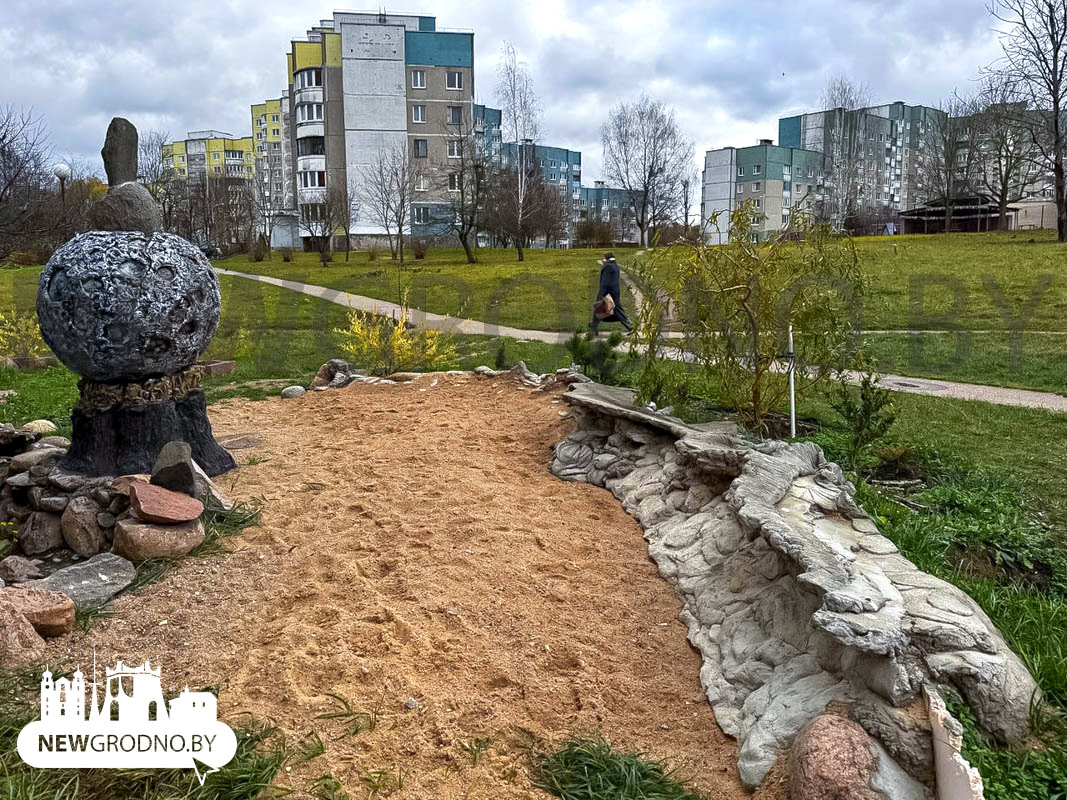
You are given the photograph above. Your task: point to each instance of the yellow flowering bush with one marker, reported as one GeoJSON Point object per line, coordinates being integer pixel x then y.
{"type": "Point", "coordinates": [383, 346]}
{"type": "Point", "coordinates": [20, 337]}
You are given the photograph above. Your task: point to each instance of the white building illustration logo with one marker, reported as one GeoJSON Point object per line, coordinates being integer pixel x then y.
{"type": "Point", "coordinates": [131, 729]}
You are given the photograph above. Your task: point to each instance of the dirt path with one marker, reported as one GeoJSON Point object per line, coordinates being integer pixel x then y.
{"type": "Point", "coordinates": [414, 545]}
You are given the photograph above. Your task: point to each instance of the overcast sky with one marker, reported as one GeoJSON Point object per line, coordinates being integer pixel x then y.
{"type": "Point", "coordinates": [729, 71]}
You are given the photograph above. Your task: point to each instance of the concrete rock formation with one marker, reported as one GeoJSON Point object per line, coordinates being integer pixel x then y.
{"type": "Point", "coordinates": [121, 306]}
{"type": "Point", "coordinates": [789, 592]}
{"type": "Point", "coordinates": [127, 207]}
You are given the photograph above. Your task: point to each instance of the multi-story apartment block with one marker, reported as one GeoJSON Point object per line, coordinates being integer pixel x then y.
{"type": "Point", "coordinates": [883, 145]}
{"type": "Point", "coordinates": [487, 126]}
{"type": "Point", "coordinates": [775, 179]}
{"type": "Point", "coordinates": [210, 154]}
{"type": "Point", "coordinates": [362, 83]}
{"type": "Point", "coordinates": [608, 204]}
{"type": "Point", "coordinates": [273, 184]}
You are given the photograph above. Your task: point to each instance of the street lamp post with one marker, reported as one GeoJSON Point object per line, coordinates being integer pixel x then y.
{"type": "Point", "coordinates": [62, 172]}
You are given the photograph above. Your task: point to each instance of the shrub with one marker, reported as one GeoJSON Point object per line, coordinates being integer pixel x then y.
{"type": "Point", "coordinates": [868, 414]}
{"type": "Point", "coordinates": [259, 250]}
{"type": "Point", "coordinates": [287, 254]}
{"type": "Point", "coordinates": [501, 360]}
{"type": "Point", "coordinates": [598, 358]}
{"type": "Point", "coordinates": [20, 337]}
{"type": "Point", "coordinates": [372, 253]}
{"type": "Point", "coordinates": [419, 248]}
{"type": "Point", "coordinates": [383, 346]}
{"type": "Point", "coordinates": [33, 257]}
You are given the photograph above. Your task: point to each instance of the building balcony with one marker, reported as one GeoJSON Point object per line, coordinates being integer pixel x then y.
{"type": "Point", "coordinates": [312, 94]}
{"type": "Point", "coordinates": [311, 163]}
{"type": "Point", "coordinates": [310, 129]}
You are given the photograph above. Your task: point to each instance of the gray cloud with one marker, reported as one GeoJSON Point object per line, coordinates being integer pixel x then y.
{"type": "Point", "coordinates": [729, 70]}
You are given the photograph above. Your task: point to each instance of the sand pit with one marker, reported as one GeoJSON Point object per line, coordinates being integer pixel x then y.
{"type": "Point", "coordinates": [414, 545]}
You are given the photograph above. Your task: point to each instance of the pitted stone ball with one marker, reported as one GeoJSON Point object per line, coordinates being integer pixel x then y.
{"type": "Point", "coordinates": [121, 306]}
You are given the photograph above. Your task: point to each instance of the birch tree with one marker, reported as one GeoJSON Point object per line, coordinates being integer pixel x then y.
{"type": "Point", "coordinates": [948, 158]}
{"type": "Point", "coordinates": [844, 147]}
{"type": "Point", "coordinates": [1007, 161]}
{"type": "Point", "coordinates": [521, 124]}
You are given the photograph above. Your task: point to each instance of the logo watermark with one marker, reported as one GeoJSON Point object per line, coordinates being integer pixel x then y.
{"type": "Point", "coordinates": [130, 727]}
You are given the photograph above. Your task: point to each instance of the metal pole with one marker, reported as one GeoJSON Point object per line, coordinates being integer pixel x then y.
{"type": "Point", "coordinates": [792, 387]}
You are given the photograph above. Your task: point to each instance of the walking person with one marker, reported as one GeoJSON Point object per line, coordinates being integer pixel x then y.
{"type": "Point", "coordinates": [609, 288]}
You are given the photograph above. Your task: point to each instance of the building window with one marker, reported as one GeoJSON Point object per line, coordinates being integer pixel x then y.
{"type": "Point", "coordinates": [453, 148]}
{"type": "Point", "coordinates": [740, 188]}
{"type": "Point", "coordinates": [422, 215]}
{"type": "Point", "coordinates": [740, 172]}
{"type": "Point", "coordinates": [275, 132]}
{"type": "Point", "coordinates": [418, 79]}
{"type": "Point", "coordinates": [313, 179]}
{"type": "Point", "coordinates": [309, 112]}
{"type": "Point", "coordinates": [453, 79]}
{"type": "Point", "coordinates": [181, 159]}
{"type": "Point", "coordinates": [758, 202]}
{"type": "Point", "coordinates": [214, 156]}
{"type": "Point", "coordinates": [418, 113]}
{"type": "Point", "coordinates": [455, 115]}
{"type": "Point", "coordinates": [311, 146]}
{"type": "Point", "coordinates": [811, 173]}
{"type": "Point", "coordinates": [757, 169]}
{"type": "Point", "coordinates": [274, 146]}
{"type": "Point", "coordinates": [421, 150]}
{"type": "Point", "coordinates": [218, 170]}
{"type": "Point", "coordinates": [453, 182]}
{"type": "Point", "coordinates": [757, 186]}
{"type": "Point", "coordinates": [273, 117]}
{"type": "Point", "coordinates": [308, 78]}
{"type": "Point", "coordinates": [421, 185]}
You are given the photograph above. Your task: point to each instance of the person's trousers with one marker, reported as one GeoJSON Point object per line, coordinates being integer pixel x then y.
{"type": "Point", "coordinates": [618, 315]}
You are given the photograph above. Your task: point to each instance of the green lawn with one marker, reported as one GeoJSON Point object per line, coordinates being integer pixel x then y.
{"type": "Point", "coordinates": [552, 290]}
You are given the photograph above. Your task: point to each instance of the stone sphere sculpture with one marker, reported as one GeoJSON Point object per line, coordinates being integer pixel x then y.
{"type": "Point", "coordinates": [123, 306]}
{"type": "Point", "coordinates": [130, 308]}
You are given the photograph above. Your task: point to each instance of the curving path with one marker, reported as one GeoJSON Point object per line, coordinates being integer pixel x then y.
{"type": "Point", "coordinates": [899, 383]}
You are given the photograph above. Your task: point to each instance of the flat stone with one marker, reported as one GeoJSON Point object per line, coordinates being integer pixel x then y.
{"type": "Point", "coordinates": [66, 481]}
{"type": "Point", "coordinates": [207, 492]}
{"type": "Point", "coordinates": [137, 540]}
{"type": "Point", "coordinates": [92, 582]}
{"type": "Point", "coordinates": [289, 392]}
{"type": "Point", "coordinates": [55, 441]}
{"type": "Point", "coordinates": [121, 485]}
{"type": "Point", "coordinates": [17, 569]}
{"type": "Point", "coordinates": [55, 503]}
{"type": "Point", "coordinates": [156, 504]}
{"type": "Point", "coordinates": [219, 367]}
{"type": "Point", "coordinates": [42, 531]}
{"type": "Point", "coordinates": [50, 613]}
{"type": "Point", "coordinates": [174, 468]}
{"type": "Point", "coordinates": [34, 458]}
{"type": "Point", "coordinates": [20, 644]}
{"type": "Point", "coordinates": [81, 531]}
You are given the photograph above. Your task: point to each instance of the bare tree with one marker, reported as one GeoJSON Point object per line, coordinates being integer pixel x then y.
{"type": "Point", "coordinates": [323, 216]}
{"type": "Point", "coordinates": [26, 182]}
{"type": "Point", "coordinates": [354, 204]}
{"type": "Point", "coordinates": [521, 123]}
{"type": "Point", "coordinates": [268, 199]}
{"type": "Point", "coordinates": [467, 186]}
{"type": "Point", "coordinates": [1007, 161]}
{"type": "Point", "coordinates": [153, 169]}
{"type": "Point", "coordinates": [690, 186]}
{"type": "Point", "coordinates": [947, 158]}
{"type": "Point", "coordinates": [1033, 37]}
{"type": "Point", "coordinates": [646, 154]}
{"type": "Point", "coordinates": [844, 147]}
{"type": "Point", "coordinates": [388, 191]}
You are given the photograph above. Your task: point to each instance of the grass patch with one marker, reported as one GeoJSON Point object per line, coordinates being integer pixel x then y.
{"type": "Point", "coordinates": [260, 754]}
{"type": "Point", "coordinates": [353, 722]}
{"type": "Point", "coordinates": [591, 769]}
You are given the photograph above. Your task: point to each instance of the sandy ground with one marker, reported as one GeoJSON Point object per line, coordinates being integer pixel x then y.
{"type": "Point", "coordinates": [414, 545]}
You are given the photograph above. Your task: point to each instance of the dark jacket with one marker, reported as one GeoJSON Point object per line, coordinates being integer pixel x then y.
{"type": "Point", "coordinates": [609, 281]}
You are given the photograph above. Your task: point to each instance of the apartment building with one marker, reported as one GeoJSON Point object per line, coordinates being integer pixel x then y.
{"type": "Point", "coordinates": [361, 83]}
{"type": "Point", "coordinates": [775, 179]}
{"type": "Point", "coordinates": [611, 205]}
{"type": "Point", "coordinates": [210, 154]}
{"type": "Point", "coordinates": [884, 141]}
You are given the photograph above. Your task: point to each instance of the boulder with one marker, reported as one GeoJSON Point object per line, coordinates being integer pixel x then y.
{"type": "Point", "coordinates": [207, 492]}
{"type": "Point", "coordinates": [20, 644]}
{"type": "Point", "coordinates": [42, 426]}
{"type": "Point", "coordinates": [156, 504]}
{"type": "Point", "coordinates": [50, 613]}
{"type": "Point", "coordinates": [15, 441]}
{"type": "Point", "coordinates": [120, 151]}
{"type": "Point", "coordinates": [289, 392]}
{"type": "Point", "coordinates": [832, 759]}
{"type": "Point", "coordinates": [138, 540]}
{"type": "Point", "coordinates": [41, 532]}
{"type": "Point", "coordinates": [174, 468]}
{"type": "Point", "coordinates": [81, 531]}
{"type": "Point", "coordinates": [92, 582]}
{"type": "Point", "coordinates": [55, 441]}
{"type": "Point", "coordinates": [127, 207]}
{"type": "Point", "coordinates": [17, 569]}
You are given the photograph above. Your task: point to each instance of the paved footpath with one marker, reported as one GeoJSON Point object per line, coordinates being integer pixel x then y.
{"type": "Point", "coordinates": [898, 383]}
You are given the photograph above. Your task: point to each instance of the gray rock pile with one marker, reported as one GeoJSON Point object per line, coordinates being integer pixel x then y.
{"type": "Point", "coordinates": [792, 597]}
